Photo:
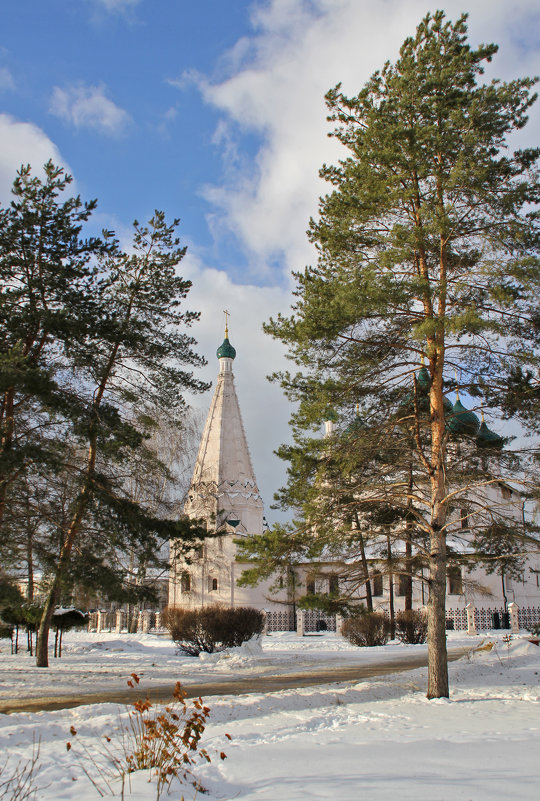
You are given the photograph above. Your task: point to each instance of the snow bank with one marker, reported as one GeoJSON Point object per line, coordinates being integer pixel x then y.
{"type": "Point", "coordinates": [377, 739]}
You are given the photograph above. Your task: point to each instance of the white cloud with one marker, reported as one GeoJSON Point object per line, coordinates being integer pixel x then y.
{"type": "Point", "coordinates": [6, 79]}
{"type": "Point", "coordinates": [119, 6]}
{"type": "Point", "coordinates": [265, 411]}
{"type": "Point", "coordinates": [22, 143]}
{"type": "Point", "coordinates": [88, 107]}
{"type": "Point", "coordinates": [275, 84]}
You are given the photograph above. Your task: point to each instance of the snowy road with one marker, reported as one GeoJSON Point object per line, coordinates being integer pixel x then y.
{"type": "Point", "coordinates": [312, 676]}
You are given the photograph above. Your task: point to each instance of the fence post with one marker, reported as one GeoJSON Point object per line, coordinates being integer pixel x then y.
{"type": "Point", "coordinates": [339, 622]}
{"type": "Point", "coordinates": [99, 625]}
{"type": "Point", "coordinates": [265, 623]}
{"type": "Point", "coordinates": [119, 621]}
{"type": "Point", "coordinates": [471, 625]}
{"type": "Point", "coordinates": [300, 623]}
{"type": "Point", "coordinates": [513, 608]}
{"type": "Point", "coordinates": [158, 620]}
{"type": "Point", "coordinates": [139, 621]}
{"type": "Point", "coordinates": [146, 621]}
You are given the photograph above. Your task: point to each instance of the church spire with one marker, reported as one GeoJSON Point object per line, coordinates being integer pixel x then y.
{"type": "Point", "coordinates": [223, 472]}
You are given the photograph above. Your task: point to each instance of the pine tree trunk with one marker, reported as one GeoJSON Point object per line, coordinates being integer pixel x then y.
{"type": "Point", "coordinates": [42, 646]}
{"type": "Point", "coordinates": [8, 423]}
{"type": "Point", "coordinates": [436, 613]}
{"type": "Point", "coordinates": [436, 606]}
{"type": "Point", "coordinates": [29, 568]}
{"type": "Point", "coordinates": [408, 548]}
{"type": "Point", "coordinates": [365, 567]}
{"type": "Point", "coordinates": [391, 590]}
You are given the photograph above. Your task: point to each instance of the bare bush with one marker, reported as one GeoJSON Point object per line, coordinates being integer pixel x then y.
{"type": "Point", "coordinates": [17, 783]}
{"type": "Point", "coordinates": [212, 628]}
{"type": "Point", "coordinates": [372, 628]}
{"type": "Point", "coordinates": [411, 626]}
{"type": "Point", "coordinates": [163, 740]}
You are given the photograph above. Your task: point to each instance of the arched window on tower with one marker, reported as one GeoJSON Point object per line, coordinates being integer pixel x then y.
{"type": "Point", "coordinates": [212, 584]}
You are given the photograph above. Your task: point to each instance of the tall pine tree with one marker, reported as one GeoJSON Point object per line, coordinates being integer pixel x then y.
{"type": "Point", "coordinates": [428, 253]}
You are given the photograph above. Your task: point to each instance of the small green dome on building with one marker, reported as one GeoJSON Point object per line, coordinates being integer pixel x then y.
{"type": "Point", "coordinates": [423, 379]}
{"type": "Point", "coordinates": [330, 414]}
{"type": "Point", "coordinates": [486, 438]}
{"type": "Point", "coordinates": [462, 420]}
{"type": "Point", "coordinates": [226, 350]}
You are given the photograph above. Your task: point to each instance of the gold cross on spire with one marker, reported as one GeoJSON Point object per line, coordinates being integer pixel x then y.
{"type": "Point", "coordinates": [227, 315]}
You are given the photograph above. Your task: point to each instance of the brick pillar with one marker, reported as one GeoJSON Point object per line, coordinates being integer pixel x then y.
{"type": "Point", "coordinates": [471, 625]}
{"type": "Point", "coordinates": [158, 620]}
{"type": "Point", "coordinates": [339, 623]}
{"type": "Point", "coordinates": [146, 621]}
{"type": "Point", "coordinates": [513, 608]}
{"type": "Point", "coordinates": [140, 621]}
{"type": "Point", "coordinates": [300, 623]}
{"type": "Point", "coordinates": [119, 621]}
{"type": "Point", "coordinates": [265, 623]}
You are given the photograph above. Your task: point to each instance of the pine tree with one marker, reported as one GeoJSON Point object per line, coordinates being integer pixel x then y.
{"type": "Point", "coordinates": [136, 356]}
{"type": "Point", "coordinates": [47, 284]}
{"type": "Point", "coordinates": [428, 252]}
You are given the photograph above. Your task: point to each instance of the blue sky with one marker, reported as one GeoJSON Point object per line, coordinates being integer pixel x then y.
{"type": "Point", "coordinates": [213, 111]}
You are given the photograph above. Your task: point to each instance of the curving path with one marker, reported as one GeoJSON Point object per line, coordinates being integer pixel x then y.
{"type": "Point", "coordinates": [233, 686]}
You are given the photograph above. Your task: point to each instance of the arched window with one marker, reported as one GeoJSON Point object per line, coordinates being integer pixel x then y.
{"type": "Point", "coordinates": [455, 582]}
{"type": "Point", "coordinates": [377, 585]}
{"type": "Point", "coordinates": [185, 582]}
{"type": "Point", "coordinates": [212, 584]}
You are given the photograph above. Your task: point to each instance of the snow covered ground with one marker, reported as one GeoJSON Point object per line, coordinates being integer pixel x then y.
{"type": "Point", "coordinates": [377, 739]}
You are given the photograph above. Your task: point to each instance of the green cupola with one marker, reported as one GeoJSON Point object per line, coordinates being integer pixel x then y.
{"type": "Point", "coordinates": [226, 350]}
{"type": "Point", "coordinates": [486, 438]}
{"type": "Point", "coordinates": [462, 420]}
{"type": "Point", "coordinates": [423, 379]}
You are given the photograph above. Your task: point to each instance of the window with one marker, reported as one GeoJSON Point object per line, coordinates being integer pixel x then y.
{"type": "Point", "coordinates": [455, 583]}
{"type": "Point", "coordinates": [377, 584]}
{"type": "Point", "coordinates": [506, 492]}
{"type": "Point", "coordinates": [402, 587]}
{"type": "Point", "coordinates": [212, 584]}
{"type": "Point", "coordinates": [310, 585]}
{"type": "Point", "coordinates": [281, 583]}
{"type": "Point", "coordinates": [464, 518]}
{"type": "Point", "coordinates": [185, 582]}
{"type": "Point", "coordinates": [333, 585]}
{"type": "Point", "coordinates": [198, 552]}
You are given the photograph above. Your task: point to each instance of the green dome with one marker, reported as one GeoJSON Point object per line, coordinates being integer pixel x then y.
{"type": "Point", "coordinates": [423, 379]}
{"type": "Point", "coordinates": [330, 414]}
{"type": "Point", "coordinates": [226, 350]}
{"type": "Point", "coordinates": [487, 438]}
{"type": "Point", "coordinates": [463, 421]}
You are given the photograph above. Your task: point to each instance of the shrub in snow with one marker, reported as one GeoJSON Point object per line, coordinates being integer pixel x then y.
{"type": "Point", "coordinates": [165, 741]}
{"type": "Point", "coordinates": [370, 629]}
{"type": "Point", "coordinates": [6, 631]}
{"type": "Point", "coordinates": [212, 628]}
{"type": "Point", "coordinates": [27, 615]}
{"type": "Point", "coordinates": [411, 626]}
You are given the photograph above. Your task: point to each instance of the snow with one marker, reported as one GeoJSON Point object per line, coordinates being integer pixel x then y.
{"type": "Point", "coordinates": [376, 739]}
